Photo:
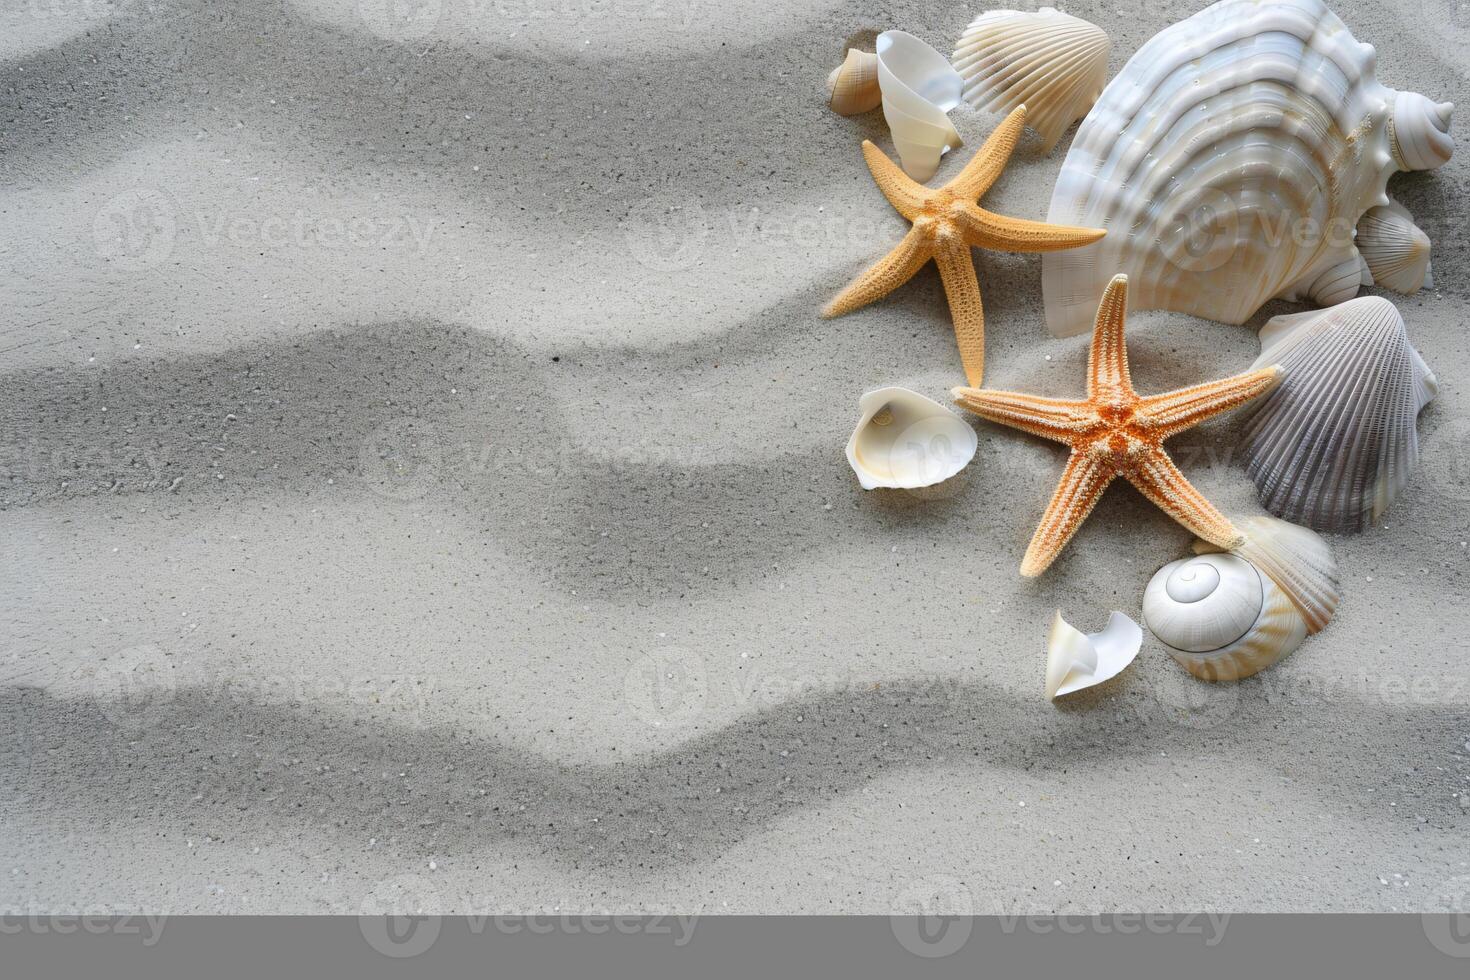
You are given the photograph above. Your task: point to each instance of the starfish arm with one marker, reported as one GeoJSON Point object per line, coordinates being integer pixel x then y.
{"type": "Point", "coordinates": [1049, 418]}
{"type": "Point", "coordinates": [1176, 411]}
{"type": "Point", "coordinates": [1082, 486]}
{"type": "Point", "coordinates": [957, 270]}
{"type": "Point", "coordinates": [1158, 479]}
{"type": "Point", "coordinates": [1107, 362]}
{"type": "Point", "coordinates": [985, 229]}
{"type": "Point", "coordinates": [988, 162]}
{"type": "Point", "coordinates": [882, 277]}
{"type": "Point", "coordinates": [906, 195]}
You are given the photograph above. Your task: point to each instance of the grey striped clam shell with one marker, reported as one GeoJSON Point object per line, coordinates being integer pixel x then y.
{"type": "Point", "coordinates": [1333, 444]}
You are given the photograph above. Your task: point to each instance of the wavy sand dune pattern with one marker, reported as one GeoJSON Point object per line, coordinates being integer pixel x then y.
{"type": "Point", "coordinates": [422, 470]}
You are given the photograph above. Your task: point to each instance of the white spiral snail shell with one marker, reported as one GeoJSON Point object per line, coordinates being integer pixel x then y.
{"type": "Point", "coordinates": [1220, 617]}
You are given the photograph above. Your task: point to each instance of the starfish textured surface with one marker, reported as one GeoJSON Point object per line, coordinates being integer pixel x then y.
{"type": "Point", "coordinates": [1117, 432]}
{"type": "Point", "coordinates": [947, 222]}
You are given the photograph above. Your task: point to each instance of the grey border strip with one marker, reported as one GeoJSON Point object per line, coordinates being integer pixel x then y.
{"type": "Point", "coordinates": [1198, 946]}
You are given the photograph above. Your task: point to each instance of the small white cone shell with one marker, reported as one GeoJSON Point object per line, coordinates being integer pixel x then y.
{"type": "Point", "coordinates": [919, 89]}
{"type": "Point", "coordinates": [1052, 63]}
{"type": "Point", "coordinates": [1396, 249]}
{"type": "Point", "coordinates": [1076, 661]}
{"type": "Point", "coordinates": [1333, 444]}
{"type": "Point", "coordinates": [904, 441]}
{"type": "Point", "coordinates": [1230, 161]}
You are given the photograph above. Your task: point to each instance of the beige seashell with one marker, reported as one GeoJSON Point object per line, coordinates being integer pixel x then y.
{"type": "Point", "coordinates": [1230, 161]}
{"type": "Point", "coordinates": [1220, 617]}
{"type": "Point", "coordinates": [1296, 559]}
{"type": "Point", "coordinates": [1419, 131]}
{"type": "Point", "coordinates": [1396, 249]}
{"type": "Point", "coordinates": [905, 441]}
{"type": "Point", "coordinates": [1333, 444]}
{"type": "Point", "coordinates": [1054, 64]}
{"type": "Point", "coordinates": [1076, 661]}
{"type": "Point", "coordinates": [919, 89]}
{"type": "Point", "coordinates": [852, 88]}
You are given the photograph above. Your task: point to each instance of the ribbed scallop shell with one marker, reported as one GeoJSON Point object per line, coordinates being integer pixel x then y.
{"type": "Point", "coordinates": [1296, 559]}
{"type": "Point", "coordinates": [1230, 161]}
{"type": "Point", "coordinates": [1052, 63]}
{"type": "Point", "coordinates": [1334, 443]}
{"type": "Point", "coordinates": [905, 441]}
{"type": "Point", "coordinates": [1396, 249]}
{"type": "Point", "coordinates": [1220, 617]}
{"type": "Point", "coordinates": [852, 88]}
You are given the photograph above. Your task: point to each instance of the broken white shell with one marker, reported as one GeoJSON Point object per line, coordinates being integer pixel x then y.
{"type": "Point", "coordinates": [852, 88]}
{"type": "Point", "coordinates": [1053, 63]}
{"type": "Point", "coordinates": [1396, 249]}
{"type": "Point", "coordinates": [1298, 560]}
{"type": "Point", "coordinates": [919, 88]}
{"type": "Point", "coordinates": [1075, 661]}
{"type": "Point", "coordinates": [1220, 618]}
{"type": "Point", "coordinates": [1230, 162]}
{"type": "Point", "coordinates": [905, 441]}
{"type": "Point", "coordinates": [1333, 444]}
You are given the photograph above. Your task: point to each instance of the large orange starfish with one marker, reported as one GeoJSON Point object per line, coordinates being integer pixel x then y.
{"type": "Point", "coordinates": [1117, 432]}
{"type": "Point", "coordinates": [947, 222]}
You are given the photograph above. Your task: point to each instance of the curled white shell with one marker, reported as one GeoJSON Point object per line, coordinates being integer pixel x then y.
{"type": "Point", "coordinates": [1075, 661]}
{"type": "Point", "coordinates": [905, 441]}
{"type": "Point", "coordinates": [1220, 617]}
{"type": "Point", "coordinates": [1396, 249]}
{"type": "Point", "coordinates": [1052, 63]}
{"type": "Point", "coordinates": [919, 89]}
{"type": "Point", "coordinates": [1420, 131]}
{"type": "Point", "coordinates": [1230, 161]}
{"type": "Point", "coordinates": [1333, 444]}
{"type": "Point", "coordinates": [852, 88]}
{"type": "Point", "coordinates": [1296, 559]}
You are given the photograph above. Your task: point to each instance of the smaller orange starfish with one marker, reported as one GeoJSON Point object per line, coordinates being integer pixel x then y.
{"type": "Point", "coordinates": [947, 222]}
{"type": "Point", "coordinates": [1117, 432]}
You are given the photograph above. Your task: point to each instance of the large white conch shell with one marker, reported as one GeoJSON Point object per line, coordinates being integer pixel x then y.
{"type": "Point", "coordinates": [1075, 660]}
{"type": "Point", "coordinates": [1396, 249]}
{"type": "Point", "coordinates": [1298, 560]}
{"type": "Point", "coordinates": [1220, 617]}
{"type": "Point", "coordinates": [1052, 63]}
{"type": "Point", "coordinates": [1333, 444]}
{"type": "Point", "coordinates": [919, 88]}
{"type": "Point", "coordinates": [852, 88]}
{"type": "Point", "coordinates": [1230, 161]}
{"type": "Point", "coordinates": [905, 441]}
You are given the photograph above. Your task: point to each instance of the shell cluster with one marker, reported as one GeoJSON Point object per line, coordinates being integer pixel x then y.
{"type": "Point", "coordinates": [1231, 160]}
{"type": "Point", "coordinates": [1335, 442]}
{"type": "Point", "coordinates": [1225, 616]}
{"type": "Point", "coordinates": [916, 87]}
{"type": "Point", "coordinates": [1052, 63]}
